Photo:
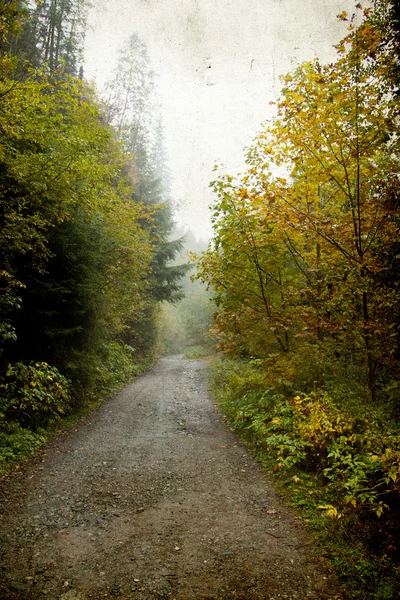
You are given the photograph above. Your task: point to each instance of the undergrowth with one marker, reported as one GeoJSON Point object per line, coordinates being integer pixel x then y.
{"type": "Point", "coordinates": [340, 469]}
{"type": "Point", "coordinates": [37, 402]}
{"type": "Point", "coordinates": [194, 352]}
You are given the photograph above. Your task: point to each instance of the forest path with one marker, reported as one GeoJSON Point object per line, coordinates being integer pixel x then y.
{"type": "Point", "coordinates": [153, 497]}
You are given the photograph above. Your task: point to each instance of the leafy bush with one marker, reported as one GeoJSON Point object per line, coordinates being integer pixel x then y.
{"type": "Point", "coordinates": [353, 455]}
{"type": "Point", "coordinates": [350, 454]}
{"type": "Point", "coordinates": [193, 352]}
{"type": "Point", "coordinates": [33, 395]}
{"type": "Point", "coordinates": [339, 465]}
{"type": "Point", "coordinates": [17, 443]}
{"type": "Point", "coordinates": [98, 371]}
{"type": "Point", "coordinates": [231, 379]}
{"type": "Point", "coordinates": [115, 366]}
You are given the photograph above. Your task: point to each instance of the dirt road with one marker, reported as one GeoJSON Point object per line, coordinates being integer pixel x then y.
{"type": "Point", "coordinates": [152, 497]}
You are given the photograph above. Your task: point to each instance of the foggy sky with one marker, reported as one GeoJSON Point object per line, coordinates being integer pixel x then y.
{"type": "Point", "coordinates": [218, 64]}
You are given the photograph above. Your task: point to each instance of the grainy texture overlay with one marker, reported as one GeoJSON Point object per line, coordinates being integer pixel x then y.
{"type": "Point", "coordinates": [218, 65]}
{"type": "Point", "coordinates": [153, 497]}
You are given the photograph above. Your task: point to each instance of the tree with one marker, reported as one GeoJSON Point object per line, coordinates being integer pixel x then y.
{"type": "Point", "coordinates": [131, 105]}
{"type": "Point", "coordinates": [301, 256]}
{"type": "Point", "coordinates": [11, 19]}
{"type": "Point", "coordinates": [76, 256]}
{"type": "Point", "coordinates": [133, 110]}
{"type": "Point", "coordinates": [53, 35]}
{"type": "Point", "coordinates": [84, 216]}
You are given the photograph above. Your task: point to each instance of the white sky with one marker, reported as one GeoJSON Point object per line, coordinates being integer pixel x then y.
{"type": "Point", "coordinates": [212, 114]}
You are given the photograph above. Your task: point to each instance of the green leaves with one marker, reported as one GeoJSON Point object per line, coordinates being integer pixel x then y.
{"type": "Point", "coordinates": [354, 460]}
{"type": "Point", "coordinates": [76, 258]}
{"type": "Point", "coordinates": [33, 394]}
{"type": "Point", "coordinates": [11, 18]}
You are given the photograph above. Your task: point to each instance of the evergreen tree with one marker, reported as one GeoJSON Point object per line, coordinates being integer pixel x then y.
{"type": "Point", "coordinates": [53, 35]}
{"type": "Point", "coordinates": [132, 108]}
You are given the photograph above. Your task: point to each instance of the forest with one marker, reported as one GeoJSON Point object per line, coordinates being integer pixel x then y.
{"type": "Point", "coordinates": [302, 271]}
{"type": "Point", "coordinates": [86, 213]}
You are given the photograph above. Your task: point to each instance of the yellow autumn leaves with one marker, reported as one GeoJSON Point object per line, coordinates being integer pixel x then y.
{"type": "Point", "coordinates": [298, 260]}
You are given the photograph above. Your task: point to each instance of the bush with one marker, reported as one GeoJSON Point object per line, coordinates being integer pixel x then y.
{"type": "Point", "coordinates": [338, 465]}
{"type": "Point", "coordinates": [97, 372]}
{"type": "Point", "coordinates": [351, 455]}
{"type": "Point", "coordinates": [115, 366]}
{"type": "Point", "coordinates": [17, 443]}
{"type": "Point", "coordinates": [355, 455]}
{"type": "Point", "coordinates": [194, 352]}
{"type": "Point", "coordinates": [231, 379]}
{"type": "Point", "coordinates": [33, 395]}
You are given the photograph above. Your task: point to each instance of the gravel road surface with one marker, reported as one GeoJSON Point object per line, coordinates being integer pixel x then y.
{"type": "Point", "coordinates": [153, 497]}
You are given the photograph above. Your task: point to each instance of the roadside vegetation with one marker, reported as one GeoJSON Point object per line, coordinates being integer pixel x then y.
{"type": "Point", "coordinates": [336, 461]}
{"type": "Point", "coordinates": [304, 271]}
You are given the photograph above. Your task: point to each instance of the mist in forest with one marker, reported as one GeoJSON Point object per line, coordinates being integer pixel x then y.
{"type": "Point", "coordinates": [216, 69]}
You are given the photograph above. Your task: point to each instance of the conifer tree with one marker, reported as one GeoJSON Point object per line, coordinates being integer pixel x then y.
{"type": "Point", "coordinates": [53, 35]}
{"type": "Point", "coordinates": [133, 109]}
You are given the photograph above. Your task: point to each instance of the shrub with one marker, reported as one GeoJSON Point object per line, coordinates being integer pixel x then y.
{"type": "Point", "coordinates": [194, 352]}
{"type": "Point", "coordinates": [231, 379]}
{"type": "Point", "coordinates": [115, 366]}
{"type": "Point", "coordinates": [355, 455]}
{"type": "Point", "coordinates": [337, 457]}
{"type": "Point", "coordinates": [351, 455]}
{"type": "Point", "coordinates": [17, 443]}
{"type": "Point", "coordinates": [33, 395]}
